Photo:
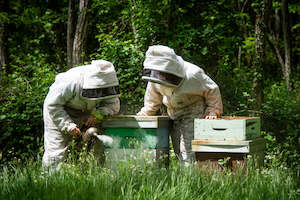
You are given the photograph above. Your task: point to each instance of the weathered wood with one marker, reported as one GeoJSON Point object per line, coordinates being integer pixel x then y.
{"type": "Point", "coordinates": [209, 152]}
{"type": "Point", "coordinates": [233, 146]}
{"type": "Point", "coordinates": [227, 128]}
{"type": "Point", "coordinates": [212, 160]}
{"type": "Point", "coordinates": [133, 121]}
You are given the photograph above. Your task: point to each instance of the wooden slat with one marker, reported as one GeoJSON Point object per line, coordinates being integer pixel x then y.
{"type": "Point", "coordinates": [133, 121]}
{"type": "Point", "coordinates": [226, 142]}
{"type": "Point", "coordinates": [249, 146]}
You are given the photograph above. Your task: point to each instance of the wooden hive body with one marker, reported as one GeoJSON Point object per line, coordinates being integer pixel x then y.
{"type": "Point", "coordinates": [138, 136]}
{"type": "Point", "coordinates": [212, 150]}
{"type": "Point", "coordinates": [148, 131]}
{"type": "Point", "coordinates": [227, 128]}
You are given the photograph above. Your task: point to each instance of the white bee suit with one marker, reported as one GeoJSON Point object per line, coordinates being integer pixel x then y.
{"type": "Point", "coordinates": [65, 108]}
{"type": "Point", "coordinates": [196, 96]}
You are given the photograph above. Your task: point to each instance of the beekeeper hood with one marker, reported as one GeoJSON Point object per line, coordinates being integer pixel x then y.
{"type": "Point", "coordinates": [163, 66]}
{"type": "Point", "coordinates": [100, 81]}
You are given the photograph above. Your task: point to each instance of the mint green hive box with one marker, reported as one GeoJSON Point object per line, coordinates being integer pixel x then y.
{"type": "Point", "coordinates": [139, 132]}
{"type": "Point", "coordinates": [228, 137]}
{"type": "Point", "coordinates": [227, 128]}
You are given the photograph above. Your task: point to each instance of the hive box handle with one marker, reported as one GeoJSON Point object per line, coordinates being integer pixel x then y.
{"type": "Point", "coordinates": [220, 129]}
{"type": "Point", "coordinates": [250, 123]}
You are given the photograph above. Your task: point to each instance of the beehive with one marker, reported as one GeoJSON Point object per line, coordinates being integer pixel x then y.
{"type": "Point", "coordinates": [149, 131]}
{"type": "Point", "coordinates": [133, 133]}
{"type": "Point", "coordinates": [234, 146]}
{"type": "Point", "coordinates": [212, 150]}
{"type": "Point", "coordinates": [227, 128]}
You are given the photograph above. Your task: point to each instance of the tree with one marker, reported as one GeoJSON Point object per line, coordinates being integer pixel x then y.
{"type": "Point", "coordinates": [2, 39]}
{"type": "Point", "coordinates": [80, 33]}
{"type": "Point", "coordinates": [259, 48]}
{"type": "Point", "coordinates": [287, 45]}
{"type": "Point", "coordinates": [70, 37]}
{"type": "Point", "coordinates": [274, 37]}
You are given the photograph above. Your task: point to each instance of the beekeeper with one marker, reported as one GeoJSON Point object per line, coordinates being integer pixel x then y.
{"type": "Point", "coordinates": [70, 102]}
{"type": "Point", "coordinates": [185, 90]}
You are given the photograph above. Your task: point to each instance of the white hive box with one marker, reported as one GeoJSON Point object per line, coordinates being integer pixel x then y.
{"type": "Point", "coordinates": [234, 146]}
{"type": "Point", "coordinates": [227, 128]}
{"type": "Point", "coordinates": [236, 149]}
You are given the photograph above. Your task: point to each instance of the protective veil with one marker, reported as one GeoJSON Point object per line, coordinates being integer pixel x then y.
{"type": "Point", "coordinates": [71, 100]}
{"type": "Point", "coordinates": [196, 95]}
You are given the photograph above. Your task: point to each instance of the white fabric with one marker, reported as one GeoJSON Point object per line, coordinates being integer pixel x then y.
{"type": "Point", "coordinates": [64, 108]}
{"type": "Point", "coordinates": [197, 95]}
{"type": "Point", "coordinates": [100, 74]}
{"type": "Point", "coordinates": [162, 58]}
{"type": "Point", "coordinates": [197, 88]}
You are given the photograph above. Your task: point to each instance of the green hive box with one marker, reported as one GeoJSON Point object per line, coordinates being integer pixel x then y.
{"type": "Point", "coordinates": [132, 131]}
{"type": "Point", "coordinates": [227, 128]}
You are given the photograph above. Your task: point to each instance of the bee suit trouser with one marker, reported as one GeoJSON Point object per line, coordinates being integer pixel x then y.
{"type": "Point", "coordinates": [182, 133]}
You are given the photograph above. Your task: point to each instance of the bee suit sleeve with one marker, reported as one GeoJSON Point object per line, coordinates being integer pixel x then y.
{"type": "Point", "coordinates": [152, 101]}
{"type": "Point", "coordinates": [211, 94]}
{"type": "Point", "coordinates": [110, 107]}
{"type": "Point", "coordinates": [57, 97]}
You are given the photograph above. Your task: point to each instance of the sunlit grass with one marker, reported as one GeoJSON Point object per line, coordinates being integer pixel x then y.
{"type": "Point", "coordinates": [138, 178]}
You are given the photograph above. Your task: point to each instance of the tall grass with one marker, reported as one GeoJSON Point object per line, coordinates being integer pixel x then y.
{"type": "Point", "coordinates": [83, 179]}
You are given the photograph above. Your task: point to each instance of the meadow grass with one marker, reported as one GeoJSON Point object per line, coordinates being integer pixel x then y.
{"type": "Point", "coordinates": [138, 178]}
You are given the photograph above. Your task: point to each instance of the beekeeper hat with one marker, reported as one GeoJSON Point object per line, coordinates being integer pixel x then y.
{"type": "Point", "coordinates": [100, 74]}
{"type": "Point", "coordinates": [100, 81]}
{"type": "Point", "coordinates": [161, 58]}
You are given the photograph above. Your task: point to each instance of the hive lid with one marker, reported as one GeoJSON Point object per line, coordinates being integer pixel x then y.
{"type": "Point", "coordinates": [134, 121]}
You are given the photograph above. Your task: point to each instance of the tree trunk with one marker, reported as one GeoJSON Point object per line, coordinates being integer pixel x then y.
{"type": "Point", "coordinates": [242, 29]}
{"type": "Point", "coordinates": [70, 33]}
{"type": "Point", "coordinates": [287, 45]}
{"type": "Point", "coordinates": [80, 33]}
{"type": "Point", "coordinates": [2, 51]}
{"type": "Point", "coordinates": [274, 39]}
{"type": "Point", "coordinates": [2, 44]}
{"type": "Point", "coordinates": [258, 63]}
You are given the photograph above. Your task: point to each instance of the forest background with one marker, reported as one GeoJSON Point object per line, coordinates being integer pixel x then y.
{"type": "Point", "coordinates": [250, 48]}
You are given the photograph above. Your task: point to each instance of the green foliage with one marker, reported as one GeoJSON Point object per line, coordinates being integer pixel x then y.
{"type": "Point", "coordinates": [21, 107]}
{"type": "Point", "coordinates": [127, 59]}
{"type": "Point", "coordinates": [119, 45]}
{"type": "Point", "coordinates": [281, 120]}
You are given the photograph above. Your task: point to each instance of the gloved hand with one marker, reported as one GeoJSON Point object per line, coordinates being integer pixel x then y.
{"type": "Point", "coordinates": [75, 132]}
{"type": "Point", "coordinates": [90, 132]}
{"type": "Point", "coordinates": [211, 115]}
{"type": "Point", "coordinates": [140, 114]}
{"type": "Point", "coordinates": [92, 121]}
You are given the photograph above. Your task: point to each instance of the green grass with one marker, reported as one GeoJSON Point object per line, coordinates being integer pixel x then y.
{"type": "Point", "coordinates": [140, 179]}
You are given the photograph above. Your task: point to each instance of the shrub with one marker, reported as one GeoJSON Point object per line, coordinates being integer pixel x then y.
{"type": "Point", "coordinates": [21, 122]}
{"type": "Point", "coordinates": [281, 121]}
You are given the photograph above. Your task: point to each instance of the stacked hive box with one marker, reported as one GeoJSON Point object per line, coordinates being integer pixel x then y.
{"type": "Point", "coordinates": [227, 137]}
{"type": "Point", "coordinates": [138, 135]}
